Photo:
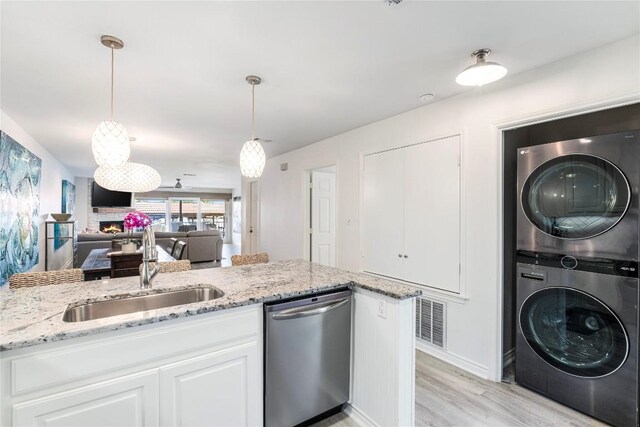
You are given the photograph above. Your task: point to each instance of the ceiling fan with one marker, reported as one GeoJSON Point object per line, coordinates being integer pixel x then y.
{"type": "Point", "coordinates": [178, 185]}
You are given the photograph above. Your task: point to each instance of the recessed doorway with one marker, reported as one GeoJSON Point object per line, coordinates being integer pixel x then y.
{"type": "Point", "coordinates": [320, 224]}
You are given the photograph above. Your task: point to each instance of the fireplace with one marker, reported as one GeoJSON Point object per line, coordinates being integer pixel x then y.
{"type": "Point", "coordinates": [111, 226]}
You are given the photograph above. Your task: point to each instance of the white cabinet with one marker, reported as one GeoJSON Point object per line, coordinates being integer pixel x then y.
{"type": "Point", "coordinates": [203, 370]}
{"type": "Point", "coordinates": [128, 401]}
{"type": "Point", "coordinates": [411, 214]}
{"type": "Point", "coordinates": [383, 226]}
{"type": "Point", "coordinates": [212, 390]}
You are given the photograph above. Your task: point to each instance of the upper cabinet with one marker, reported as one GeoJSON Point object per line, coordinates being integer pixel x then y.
{"type": "Point", "coordinates": [411, 214]}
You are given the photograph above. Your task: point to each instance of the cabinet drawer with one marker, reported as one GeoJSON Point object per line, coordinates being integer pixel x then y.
{"type": "Point", "coordinates": [103, 353]}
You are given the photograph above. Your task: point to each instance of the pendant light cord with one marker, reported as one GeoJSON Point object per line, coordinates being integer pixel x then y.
{"type": "Point", "coordinates": [112, 58]}
{"type": "Point", "coordinates": [253, 111]}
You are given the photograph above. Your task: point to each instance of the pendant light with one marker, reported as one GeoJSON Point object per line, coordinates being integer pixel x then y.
{"type": "Point", "coordinates": [481, 72]}
{"type": "Point", "coordinates": [130, 177]}
{"type": "Point", "coordinates": [252, 157]}
{"type": "Point", "coordinates": [110, 143]}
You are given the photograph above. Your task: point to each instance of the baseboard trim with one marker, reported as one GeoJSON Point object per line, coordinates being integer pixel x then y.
{"type": "Point", "coordinates": [509, 357]}
{"type": "Point", "coordinates": [455, 360]}
{"type": "Point", "coordinates": [358, 416]}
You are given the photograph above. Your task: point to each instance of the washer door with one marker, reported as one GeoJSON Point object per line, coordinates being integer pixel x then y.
{"type": "Point", "coordinates": [574, 332]}
{"type": "Point", "coordinates": [576, 196]}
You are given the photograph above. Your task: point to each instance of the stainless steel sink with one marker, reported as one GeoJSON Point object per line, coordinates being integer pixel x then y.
{"type": "Point", "coordinates": [133, 304]}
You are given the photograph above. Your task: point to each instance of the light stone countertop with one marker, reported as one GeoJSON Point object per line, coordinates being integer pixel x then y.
{"type": "Point", "coordinates": [31, 316]}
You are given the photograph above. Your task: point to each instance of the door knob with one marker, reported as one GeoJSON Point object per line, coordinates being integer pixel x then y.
{"type": "Point", "coordinates": [406, 256]}
{"type": "Point", "coordinates": [399, 255]}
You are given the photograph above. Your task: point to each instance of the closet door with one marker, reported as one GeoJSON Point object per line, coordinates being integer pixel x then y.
{"type": "Point", "coordinates": [382, 213]}
{"type": "Point", "coordinates": [432, 214]}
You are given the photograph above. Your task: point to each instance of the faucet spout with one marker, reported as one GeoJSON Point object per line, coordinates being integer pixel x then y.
{"type": "Point", "coordinates": [149, 255]}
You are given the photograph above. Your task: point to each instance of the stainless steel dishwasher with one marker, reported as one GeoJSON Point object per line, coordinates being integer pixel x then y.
{"type": "Point", "coordinates": [307, 357]}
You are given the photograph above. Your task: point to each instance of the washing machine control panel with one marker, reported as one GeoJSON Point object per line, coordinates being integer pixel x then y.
{"type": "Point", "coordinates": [569, 262]}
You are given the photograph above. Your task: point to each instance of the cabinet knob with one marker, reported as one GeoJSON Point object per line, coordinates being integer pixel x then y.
{"type": "Point", "coordinates": [406, 256]}
{"type": "Point", "coordinates": [399, 255]}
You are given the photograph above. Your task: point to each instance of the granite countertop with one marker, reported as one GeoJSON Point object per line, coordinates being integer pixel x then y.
{"type": "Point", "coordinates": [32, 316]}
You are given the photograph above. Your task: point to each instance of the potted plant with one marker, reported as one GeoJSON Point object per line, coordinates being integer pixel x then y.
{"type": "Point", "coordinates": [134, 220]}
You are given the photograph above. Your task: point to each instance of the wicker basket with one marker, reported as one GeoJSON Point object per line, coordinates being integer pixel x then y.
{"type": "Point", "coordinates": [250, 259]}
{"type": "Point", "coordinates": [43, 278]}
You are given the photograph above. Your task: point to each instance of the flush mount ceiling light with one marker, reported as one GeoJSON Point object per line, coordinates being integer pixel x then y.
{"type": "Point", "coordinates": [110, 143]}
{"type": "Point", "coordinates": [130, 177]}
{"type": "Point", "coordinates": [481, 72]}
{"type": "Point", "coordinates": [252, 157]}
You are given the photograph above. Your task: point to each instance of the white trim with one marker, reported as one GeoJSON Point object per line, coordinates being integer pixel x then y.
{"type": "Point", "coordinates": [540, 116]}
{"type": "Point", "coordinates": [357, 416]}
{"type": "Point", "coordinates": [454, 359]}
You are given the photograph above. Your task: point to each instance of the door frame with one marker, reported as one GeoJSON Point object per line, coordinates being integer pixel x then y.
{"type": "Point", "coordinates": [245, 208]}
{"type": "Point", "coordinates": [496, 362]}
{"type": "Point", "coordinates": [306, 210]}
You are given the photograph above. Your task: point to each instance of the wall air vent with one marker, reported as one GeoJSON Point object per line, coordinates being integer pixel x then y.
{"type": "Point", "coordinates": [430, 322]}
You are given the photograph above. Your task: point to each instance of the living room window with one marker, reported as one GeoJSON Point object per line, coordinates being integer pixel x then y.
{"type": "Point", "coordinates": [184, 214]}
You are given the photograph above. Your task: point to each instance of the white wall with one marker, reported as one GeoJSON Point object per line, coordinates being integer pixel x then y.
{"type": "Point", "coordinates": [53, 172]}
{"type": "Point", "coordinates": [597, 77]}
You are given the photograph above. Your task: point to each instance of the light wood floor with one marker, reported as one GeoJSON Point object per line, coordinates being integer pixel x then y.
{"type": "Point", "coordinates": [448, 396]}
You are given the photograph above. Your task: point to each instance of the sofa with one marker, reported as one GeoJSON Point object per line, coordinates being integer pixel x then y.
{"type": "Point", "coordinates": [201, 245]}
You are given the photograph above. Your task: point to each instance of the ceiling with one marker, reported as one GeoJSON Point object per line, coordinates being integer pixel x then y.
{"type": "Point", "coordinates": [327, 67]}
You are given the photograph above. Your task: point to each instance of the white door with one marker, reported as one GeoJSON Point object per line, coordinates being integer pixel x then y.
{"type": "Point", "coordinates": [323, 218]}
{"type": "Point", "coordinates": [216, 389]}
{"type": "Point", "coordinates": [127, 401]}
{"type": "Point", "coordinates": [383, 205]}
{"type": "Point", "coordinates": [253, 219]}
{"type": "Point", "coordinates": [432, 214]}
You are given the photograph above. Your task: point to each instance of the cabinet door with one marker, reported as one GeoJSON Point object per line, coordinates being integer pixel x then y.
{"type": "Point", "coordinates": [222, 388]}
{"type": "Point", "coordinates": [127, 401]}
{"type": "Point", "coordinates": [382, 227]}
{"type": "Point", "coordinates": [432, 214]}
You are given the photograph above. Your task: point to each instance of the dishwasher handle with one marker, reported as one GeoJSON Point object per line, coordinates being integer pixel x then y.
{"type": "Point", "coordinates": [294, 313]}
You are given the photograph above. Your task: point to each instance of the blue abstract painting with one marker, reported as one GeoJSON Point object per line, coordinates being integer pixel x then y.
{"type": "Point", "coordinates": [20, 173]}
{"type": "Point", "coordinates": [68, 197]}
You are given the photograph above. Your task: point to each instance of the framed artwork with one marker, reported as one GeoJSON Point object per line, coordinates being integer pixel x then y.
{"type": "Point", "coordinates": [68, 197]}
{"type": "Point", "coordinates": [20, 174]}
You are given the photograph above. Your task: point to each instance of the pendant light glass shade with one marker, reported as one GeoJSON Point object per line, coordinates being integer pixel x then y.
{"type": "Point", "coordinates": [482, 72]}
{"type": "Point", "coordinates": [252, 159]}
{"type": "Point", "coordinates": [110, 144]}
{"type": "Point", "coordinates": [132, 177]}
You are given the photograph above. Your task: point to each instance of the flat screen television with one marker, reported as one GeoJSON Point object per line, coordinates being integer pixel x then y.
{"type": "Point", "coordinates": [103, 198]}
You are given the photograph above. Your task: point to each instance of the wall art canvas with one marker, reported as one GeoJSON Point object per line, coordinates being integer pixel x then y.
{"type": "Point", "coordinates": [68, 197]}
{"type": "Point", "coordinates": [20, 173]}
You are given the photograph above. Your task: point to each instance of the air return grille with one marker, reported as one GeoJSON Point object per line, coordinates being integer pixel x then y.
{"type": "Point", "coordinates": [430, 322]}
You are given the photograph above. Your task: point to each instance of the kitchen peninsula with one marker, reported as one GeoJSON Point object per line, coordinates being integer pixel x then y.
{"type": "Point", "coordinates": [194, 364]}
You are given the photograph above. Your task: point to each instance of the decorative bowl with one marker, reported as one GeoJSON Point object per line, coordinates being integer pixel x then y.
{"type": "Point", "coordinates": [61, 216]}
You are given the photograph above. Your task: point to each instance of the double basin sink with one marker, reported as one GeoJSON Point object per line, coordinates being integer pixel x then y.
{"type": "Point", "coordinates": [124, 304]}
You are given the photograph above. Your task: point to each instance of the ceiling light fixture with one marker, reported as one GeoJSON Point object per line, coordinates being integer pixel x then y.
{"type": "Point", "coordinates": [131, 177]}
{"type": "Point", "coordinates": [110, 143]}
{"type": "Point", "coordinates": [252, 157]}
{"type": "Point", "coordinates": [481, 72]}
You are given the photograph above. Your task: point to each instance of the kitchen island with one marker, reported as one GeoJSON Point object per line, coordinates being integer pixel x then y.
{"type": "Point", "coordinates": [199, 363]}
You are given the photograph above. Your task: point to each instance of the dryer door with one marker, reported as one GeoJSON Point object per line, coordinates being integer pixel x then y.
{"type": "Point", "coordinates": [574, 332]}
{"type": "Point", "coordinates": [575, 196]}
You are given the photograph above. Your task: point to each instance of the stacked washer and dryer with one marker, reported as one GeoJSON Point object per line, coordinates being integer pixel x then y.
{"type": "Point", "coordinates": [577, 274]}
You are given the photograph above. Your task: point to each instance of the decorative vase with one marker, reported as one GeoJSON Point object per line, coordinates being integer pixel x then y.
{"type": "Point", "coordinates": [129, 248]}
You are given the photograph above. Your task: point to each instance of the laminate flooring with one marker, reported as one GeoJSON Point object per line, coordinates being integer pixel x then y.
{"type": "Point", "coordinates": [449, 396]}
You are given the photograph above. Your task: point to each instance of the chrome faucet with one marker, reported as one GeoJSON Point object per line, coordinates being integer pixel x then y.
{"type": "Point", "coordinates": [149, 254]}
